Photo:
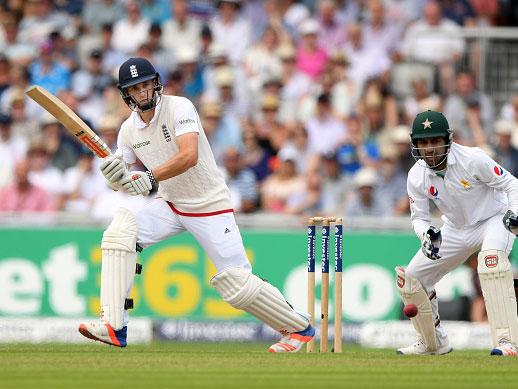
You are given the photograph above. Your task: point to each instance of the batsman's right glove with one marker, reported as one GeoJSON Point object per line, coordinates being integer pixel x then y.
{"type": "Point", "coordinates": [431, 243]}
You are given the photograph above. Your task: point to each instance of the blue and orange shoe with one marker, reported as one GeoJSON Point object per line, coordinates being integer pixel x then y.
{"type": "Point", "coordinates": [105, 333]}
{"type": "Point", "coordinates": [293, 342]}
{"type": "Point", "coordinates": [505, 349]}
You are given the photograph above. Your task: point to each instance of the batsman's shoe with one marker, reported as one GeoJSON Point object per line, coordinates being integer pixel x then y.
{"type": "Point", "coordinates": [103, 332]}
{"type": "Point", "coordinates": [420, 348]}
{"type": "Point", "coordinates": [293, 342]}
{"type": "Point", "coordinates": [505, 349]}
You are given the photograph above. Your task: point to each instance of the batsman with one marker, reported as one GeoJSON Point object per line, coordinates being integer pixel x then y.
{"type": "Point", "coordinates": [165, 134]}
{"type": "Point", "coordinates": [478, 200]}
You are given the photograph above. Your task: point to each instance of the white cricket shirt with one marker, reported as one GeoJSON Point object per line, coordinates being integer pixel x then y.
{"type": "Point", "coordinates": [201, 190]}
{"type": "Point", "coordinates": [473, 189]}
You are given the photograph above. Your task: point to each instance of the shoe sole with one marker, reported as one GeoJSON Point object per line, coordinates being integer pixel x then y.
{"type": "Point", "coordinates": [87, 334]}
{"type": "Point", "coordinates": [447, 352]}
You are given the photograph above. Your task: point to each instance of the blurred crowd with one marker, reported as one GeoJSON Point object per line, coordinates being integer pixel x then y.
{"type": "Point", "coordinates": [306, 104]}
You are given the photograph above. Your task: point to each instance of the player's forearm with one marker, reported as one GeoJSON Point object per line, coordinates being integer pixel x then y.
{"type": "Point", "coordinates": [177, 165]}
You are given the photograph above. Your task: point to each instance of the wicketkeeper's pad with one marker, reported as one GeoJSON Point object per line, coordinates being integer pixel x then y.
{"type": "Point", "coordinates": [496, 281]}
{"type": "Point", "coordinates": [412, 292]}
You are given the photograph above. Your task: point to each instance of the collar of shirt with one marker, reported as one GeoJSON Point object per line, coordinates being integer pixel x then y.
{"type": "Point", "coordinates": [139, 123]}
{"type": "Point", "coordinates": [451, 161]}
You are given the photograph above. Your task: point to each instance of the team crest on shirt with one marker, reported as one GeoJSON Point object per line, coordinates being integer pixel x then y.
{"type": "Point", "coordinates": [465, 184]}
{"type": "Point", "coordinates": [167, 134]}
{"type": "Point", "coordinates": [434, 192]}
{"type": "Point", "coordinates": [498, 170]}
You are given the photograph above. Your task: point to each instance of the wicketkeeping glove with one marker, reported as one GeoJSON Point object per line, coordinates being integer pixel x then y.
{"type": "Point", "coordinates": [137, 183]}
{"type": "Point", "coordinates": [431, 243]}
{"type": "Point", "coordinates": [511, 221]}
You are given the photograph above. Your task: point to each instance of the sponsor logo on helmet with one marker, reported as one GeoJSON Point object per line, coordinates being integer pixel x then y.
{"type": "Point", "coordinates": [434, 192]}
{"type": "Point", "coordinates": [133, 71]}
{"type": "Point", "coordinates": [491, 260]}
{"type": "Point", "coordinates": [427, 124]}
{"type": "Point", "coordinates": [498, 170]}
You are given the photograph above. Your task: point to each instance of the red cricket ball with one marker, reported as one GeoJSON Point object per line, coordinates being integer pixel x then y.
{"type": "Point", "coordinates": [410, 310]}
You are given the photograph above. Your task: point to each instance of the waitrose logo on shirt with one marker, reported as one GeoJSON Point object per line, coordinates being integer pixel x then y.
{"type": "Point", "coordinates": [141, 144]}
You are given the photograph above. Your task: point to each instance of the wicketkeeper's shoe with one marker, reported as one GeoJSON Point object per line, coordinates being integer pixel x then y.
{"type": "Point", "coordinates": [505, 349]}
{"type": "Point", "coordinates": [420, 348]}
{"type": "Point", "coordinates": [293, 342]}
{"type": "Point", "coordinates": [103, 332]}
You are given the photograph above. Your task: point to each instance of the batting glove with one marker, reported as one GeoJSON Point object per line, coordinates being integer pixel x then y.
{"type": "Point", "coordinates": [137, 183]}
{"type": "Point", "coordinates": [511, 222]}
{"type": "Point", "coordinates": [431, 243]}
{"type": "Point", "coordinates": [113, 167]}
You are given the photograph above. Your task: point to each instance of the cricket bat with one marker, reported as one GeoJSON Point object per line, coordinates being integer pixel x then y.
{"type": "Point", "coordinates": [69, 119]}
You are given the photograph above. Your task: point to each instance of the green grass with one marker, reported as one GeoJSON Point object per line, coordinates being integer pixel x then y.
{"type": "Point", "coordinates": [234, 365]}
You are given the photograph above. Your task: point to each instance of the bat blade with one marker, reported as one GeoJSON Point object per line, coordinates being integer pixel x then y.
{"type": "Point", "coordinates": [72, 123]}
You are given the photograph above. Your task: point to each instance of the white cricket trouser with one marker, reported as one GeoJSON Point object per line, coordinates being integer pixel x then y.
{"type": "Point", "coordinates": [219, 235]}
{"type": "Point", "coordinates": [457, 246]}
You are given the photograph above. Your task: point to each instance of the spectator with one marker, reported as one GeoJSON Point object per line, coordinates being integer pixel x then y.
{"type": "Point", "coordinates": [42, 174]}
{"type": "Point", "coordinates": [134, 26]}
{"type": "Point", "coordinates": [344, 94]}
{"type": "Point", "coordinates": [19, 78]}
{"type": "Point", "coordinates": [307, 202]}
{"type": "Point", "coordinates": [98, 13]}
{"type": "Point", "coordinates": [222, 130]}
{"type": "Point", "coordinates": [256, 158]}
{"type": "Point", "coordinates": [311, 58]}
{"type": "Point", "coordinates": [356, 151]}
{"type": "Point", "coordinates": [272, 134]}
{"type": "Point", "coordinates": [261, 60]}
{"type": "Point", "coordinates": [17, 52]}
{"type": "Point", "coordinates": [379, 33]}
{"type": "Point", "coordinates": [282, 185]}
{"type": "Point", "coordinates": [335, 185]}
{"type": "Point", "coordinates": [298, 145]}
{"type": "Point", "coordinates": [391, 183]}
{"type": "Point", "coordinates": [241, 182]}
{"type": "Point", "coordinates": [510, 109]}
{"type": "Point", "coordinates": [61, 154]}
{"type": "Point", "coordinates": [459, 11]}
{"type": "Point", "coordinates": [47, 72]}
{"type": "Point", "coordinates": [434, 39]}
{"type": "Point", "coordinates": [192, 75]}
{"type": "Point", "coordinates": [505, 153]}
{"type": "Point", "coordinates": [364, 202]}
{"type": "Point", "coordinates": [156, 11]}
{"type": "Point", "coordinates": [457, 107]}
{"type": "Point", "coordinates": [421, 100]}
{"type": "Point", "coordinates": [400, 136]}
{"type": "Point", "coordinates": [22, 125]}
{"type": "Point", "coordinates": [112, 57]}
{"type": "Point", "coordinates": [88, 85]}
{"type": "Point", "coordinates": [227, 93]}
{"type": "Point", "coordinates": [158, 54]}
{"type": "Point", "coordinates": [82, 184]}
{"type": "Point", "coordinates": [296, 85]}
{"type": "Point", "coordinates": [22, 195]}
{"type": "Point", "coordinates": [12, 144]}
{"type": "Point", "coordinates": [366, 61]}
{"type": "Point", "coordinates": [182, 30]}
{"type": "Point", "coordinates": [331, 34]}
{"type": "Point", "coordinates": [108, 129]}
{"type": "Point", "coordinates": [231, 30]}
{"type": "Point", "coordinates": [325, 132]}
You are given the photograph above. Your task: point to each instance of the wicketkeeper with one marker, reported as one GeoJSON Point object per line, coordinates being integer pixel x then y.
{"type": "Point", "coordinates": [479, 202]}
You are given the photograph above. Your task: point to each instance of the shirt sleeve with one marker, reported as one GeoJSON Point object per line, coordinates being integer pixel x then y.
{"type": "Point", "coordinates": [186, 118]}
{"type": "Point", "coordinates": [128, 156]}
{"type": "Point", "coordinates": [419, 208]}
{"type": "Point", "coordinates": [486, 170]}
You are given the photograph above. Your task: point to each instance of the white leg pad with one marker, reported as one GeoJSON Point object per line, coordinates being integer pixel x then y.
{"type": "Point", "coordinates": [244, 290]}
{"type": "Point", "coordinates": [496, 281]}
{"type": "Point", "coordinates": [119, 258]}
{"type": "Point", "coordinates": [412, 292]}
